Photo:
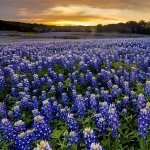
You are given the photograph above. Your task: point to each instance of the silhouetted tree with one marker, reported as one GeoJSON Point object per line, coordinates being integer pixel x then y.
{"type": "Point", "coordinates": [140, 27]}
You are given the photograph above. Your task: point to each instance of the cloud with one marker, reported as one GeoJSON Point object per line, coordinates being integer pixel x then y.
{"type": "Point", "coordinates": [106, 11]}
{"type": "Point", "coordinates": [35, 5]}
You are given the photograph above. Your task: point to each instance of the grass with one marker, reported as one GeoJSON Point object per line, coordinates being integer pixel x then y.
{"type": "Point", "coordinates": [67, 37]}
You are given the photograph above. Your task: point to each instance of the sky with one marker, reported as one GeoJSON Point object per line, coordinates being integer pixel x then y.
{"type": "Point", "coordinates": [74, 12]}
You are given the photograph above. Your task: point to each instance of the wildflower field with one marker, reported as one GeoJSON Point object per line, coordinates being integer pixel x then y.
{"type": "Point", "coordinates": [75, 94]}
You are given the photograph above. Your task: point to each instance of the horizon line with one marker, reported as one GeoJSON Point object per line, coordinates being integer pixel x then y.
{"type": "Point", "coordinates": [57, 25]}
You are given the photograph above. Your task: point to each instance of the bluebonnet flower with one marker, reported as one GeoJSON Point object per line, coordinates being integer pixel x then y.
{"type": "Point", "coordinates": [109, 84]}
{"type": "Point", "coordinates": [89, 76]}
{"type": "Point", "coordinates": [141, 76]}
{"type": "Point", "coordinates": [3, 111]}
{"type": "Point", "coordinates": [101, 123]}
{"type": "Point", "coordinates": [49, 82]}
{"type": "Point", "coordinates": [75, 82]}
{"type": "Point", "coordinates": [39, 69]}
{"type": "Point", "coordinates": [6, 71]}
{"type": "Point", "coordinates": [113, 120]}
{"type": "Point", "coordinates": [74, 94]}
{"type": "Point", "coordinates": [93, 102]}
{"type": "Point", "coordinates": [14, 92]}
{"type": "Point", "coordinates": [104, 76]}
{"type": "Point", "coordinates": [57, 107]}
{"type": "Point", "coordinates": [36, 112]}
{"type": "Point", "coordinates": [143, 122]}
{"type": "Point", "coordinates": [124, 111]}
{"type": "Point", "coordinates": [89, 89]}
{"type": "Point", "coordinates": [87, 99]}
{"type": "Point", "coordinates": [126, 75]}
{"type": "Point", "coordinates": [14, 79]}
{"type": "Point", "coordinates": [36, 81]}
{"type": "Point", "coordinates": [82, 79]}
{"type": "Point", "coordinates": [68, 65]}
{"type": "Point", "coordinates": [43, 95]}
{"type": "Point", "coordinates": [52, 100]}
{"type": "Point", "coordinates": [80, 106]}
{"type": "Point", "coordinates": [97, 116]}
{"type": "Point", "coordinates": [126, 61]}
{"type": "Point", "coordinates": [116, 91]}
{"type": "Point", "coordinates": [89, 137]}
{"type": "Point", "coordinates": [133, 75]}
{"type": "Point", "coordinates": [71, 122]}
{"type": "Point", "coordinates": [116, 80]}
{"type": "Point", "coordinates": [126, 87]}
{"type": "Point", "coordinates": [74, 76]}
{"type": "Point", "coordinates": [148, 109]}
{"type": "Point", "coordinates": [120, 71]}
{"type": "Point", "coordinates": [8, 129]}
{"type": "Point", "coordinates": [147, 88]}
{"type": "Point", "coordinates": [26, 83]}
{"type": "Point", "coordinates": [50, 71]}
{"type": "Point", "coordinates": [97, 64]}
{"type": "Point", "coordinates": [20, 126]}
{"type": "Point", "coordinates": [132, 95]}
{"type": "Point", "coordinates": [43, 145]}
{"type": "Point", "coordinates": [118, 105]}
{"type": "Point", "coordinates": [94, 82]}
{"type": "Point", "coordinates": [24, 140]}
{"type": "Point", "coordinates": [95, 146]}
{"type": "Point", "coordinates": [27, 90]}
{"type": "Point", "coordinates": [73, 138]}
{"type": "Point", "coordinates": [96, 91]}
{"type": "Point", "coordinates": [108, 64]}
{"type": "Point", "coordinates": [20, 86]}
{"type": "Point", "coordinates": [2, 82]}
{"type": "Point", "coordinates": [21, 95]}
{"type": "Point", "coordinates": [26, 102]}
{"type": "Point", "coordinates": [76, 73]}
{"type": "Point", "coordinates": [141, 101]}
{"type": "Point", "coordinates": [42, 131]}
{"type": "Point", "coordinates": [103, 109]}
{"type": "Point", "coordinates": [105, 96]}
{"type": "Point", "coordinates": [134, 105]}
{"type": "Point", "coordinates": [60, 87]}
{"type": "Point", "coordinates": [35, 92]}
{"type": "Point", "coordinates": [35, 102]}
{"type": "Point", "coordinates": [70, 86]}
{"type": "Point", "coordinates": [47, 110]}
{"type": "Point", "coordinates": [52, 90]}
{"type": "Point", "coordinates": [63, 112]}
{"type": "Point", "coordinates": [125, 102]}
{"type": "Point", "coordinates": [83, 66]}
{"type": "Point", "coordinates": [16, 112]}
{"type": "Point", "coordinates": [60, 78]}
{"type": "Point", "coordinates": [65, 100]}
{"type": "Point", "coordinates": [21, 142]}
{"type": "Point", "coordinates": [30, 136]}
{"type": "Point", "coordinates": [43, 80]}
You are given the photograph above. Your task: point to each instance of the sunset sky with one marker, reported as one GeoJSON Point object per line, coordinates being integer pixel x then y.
{"type": "Point", "coordinates": [74, 12]}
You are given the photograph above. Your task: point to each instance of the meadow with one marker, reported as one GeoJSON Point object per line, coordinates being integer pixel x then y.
{"type": "Point", "coordinates": [75, 94]}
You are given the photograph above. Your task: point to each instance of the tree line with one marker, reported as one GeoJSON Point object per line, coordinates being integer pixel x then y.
{"type": "Point", "coordinates": [22, 27]}
{"type": "Point", "coordinates": [141, 27]}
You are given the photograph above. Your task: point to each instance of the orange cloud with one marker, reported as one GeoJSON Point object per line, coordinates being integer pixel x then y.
{"type": "Point", "coordinates": [84, 12]}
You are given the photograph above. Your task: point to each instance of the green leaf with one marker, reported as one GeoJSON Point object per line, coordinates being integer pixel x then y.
{"type": "Point", "coordinates": [57, 133]}
{"type": "Point", "coordinates": [73, 147]}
